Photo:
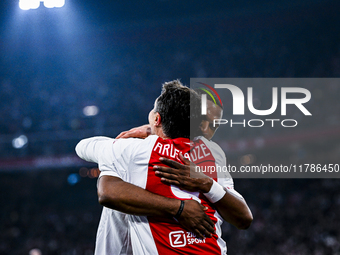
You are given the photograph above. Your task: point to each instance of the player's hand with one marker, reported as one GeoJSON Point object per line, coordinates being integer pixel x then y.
{"type": "Point", "coordinates": [183, 176]}
{"type": "Point", "coordinates": [195, 220]}
{"type": "Point", "coordinates": [137, 132]}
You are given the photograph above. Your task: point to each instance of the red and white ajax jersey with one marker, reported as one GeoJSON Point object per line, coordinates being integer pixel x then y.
{"type": "Point", "coordinates": [132, 160]}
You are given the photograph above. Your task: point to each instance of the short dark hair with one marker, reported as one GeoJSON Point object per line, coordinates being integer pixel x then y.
{"type": "Point", "coordinates": [179, 107]}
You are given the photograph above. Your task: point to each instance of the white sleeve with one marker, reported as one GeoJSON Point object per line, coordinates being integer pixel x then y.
{"type": "Point", "coordinates": [112, 155]}
{"type": "Point", "coordinates": [99, 150]}
{"type": "Point", "coordinates": [91, 148]}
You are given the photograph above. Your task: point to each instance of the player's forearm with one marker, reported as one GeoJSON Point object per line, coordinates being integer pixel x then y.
{"type": "Point", "coordinates": [234, 210]}
{"type": "Point", "coordinates": [116, 194]}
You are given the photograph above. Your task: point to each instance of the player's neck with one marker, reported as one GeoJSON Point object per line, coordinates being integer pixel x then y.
{"type": "Point", "coordinates": [160, 133]}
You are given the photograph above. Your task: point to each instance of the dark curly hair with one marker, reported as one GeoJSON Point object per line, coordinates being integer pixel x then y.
{"type": "Point", "coordinates": [179, 108]}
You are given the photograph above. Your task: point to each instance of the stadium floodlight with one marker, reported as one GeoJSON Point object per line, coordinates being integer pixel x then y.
{"type": "Point", "coordinates": [29, 4]}
{"type": "Point", "coordinates": [24, 5]}
{"type": "Point", "coordinates": [49, 3]}
{"type": "Point", "coordinates": [59, 3]}
{"type": "Point", "coordinates": [34, 4]}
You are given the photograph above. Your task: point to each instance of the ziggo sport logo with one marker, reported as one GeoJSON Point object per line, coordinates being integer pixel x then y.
{"type": "Point", "coordinates": [181, 239]}
{"type": "Point", "coordinates": [238, 105]}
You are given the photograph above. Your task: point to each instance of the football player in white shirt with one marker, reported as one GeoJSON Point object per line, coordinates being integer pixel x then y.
{"type": "Point", "coordinates": [112, 194]}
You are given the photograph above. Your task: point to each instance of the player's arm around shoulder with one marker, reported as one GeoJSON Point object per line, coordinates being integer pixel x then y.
{"type": "Point", "coordinates": [119, 195]}
{"type": "Point", "coordinates": [230, 205]}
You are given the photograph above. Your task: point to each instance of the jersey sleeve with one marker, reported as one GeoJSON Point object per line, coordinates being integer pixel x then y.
{"type": "Point", "coordinates": [116, 159]}
{"type": "Point", "coordinates": [106, 152]}
{"type": "Point", "coordinates": [90, 149]}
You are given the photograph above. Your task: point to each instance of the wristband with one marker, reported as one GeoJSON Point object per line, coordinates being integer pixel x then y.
{"type": "Point", "coordinates": [216, 193]}
{"type": "Point", "coordinates": [180, 210]}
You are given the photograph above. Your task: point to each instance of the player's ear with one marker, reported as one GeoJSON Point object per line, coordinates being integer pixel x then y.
{"type": "Point", "coordinates": [158, 119]}
{"type": "Point", "coordinates": [204, 126]}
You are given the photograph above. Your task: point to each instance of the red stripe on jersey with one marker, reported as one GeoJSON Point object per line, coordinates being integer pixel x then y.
{"type": "Point", "coordinates": [170, 238]}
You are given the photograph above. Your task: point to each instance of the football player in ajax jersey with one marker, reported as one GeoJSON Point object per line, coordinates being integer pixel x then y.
{"type": "Point", "coordinates": [134, 161]}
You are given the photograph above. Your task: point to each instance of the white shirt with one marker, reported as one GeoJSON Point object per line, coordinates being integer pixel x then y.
{"type": "Point", "coordinates": [132, 161]}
